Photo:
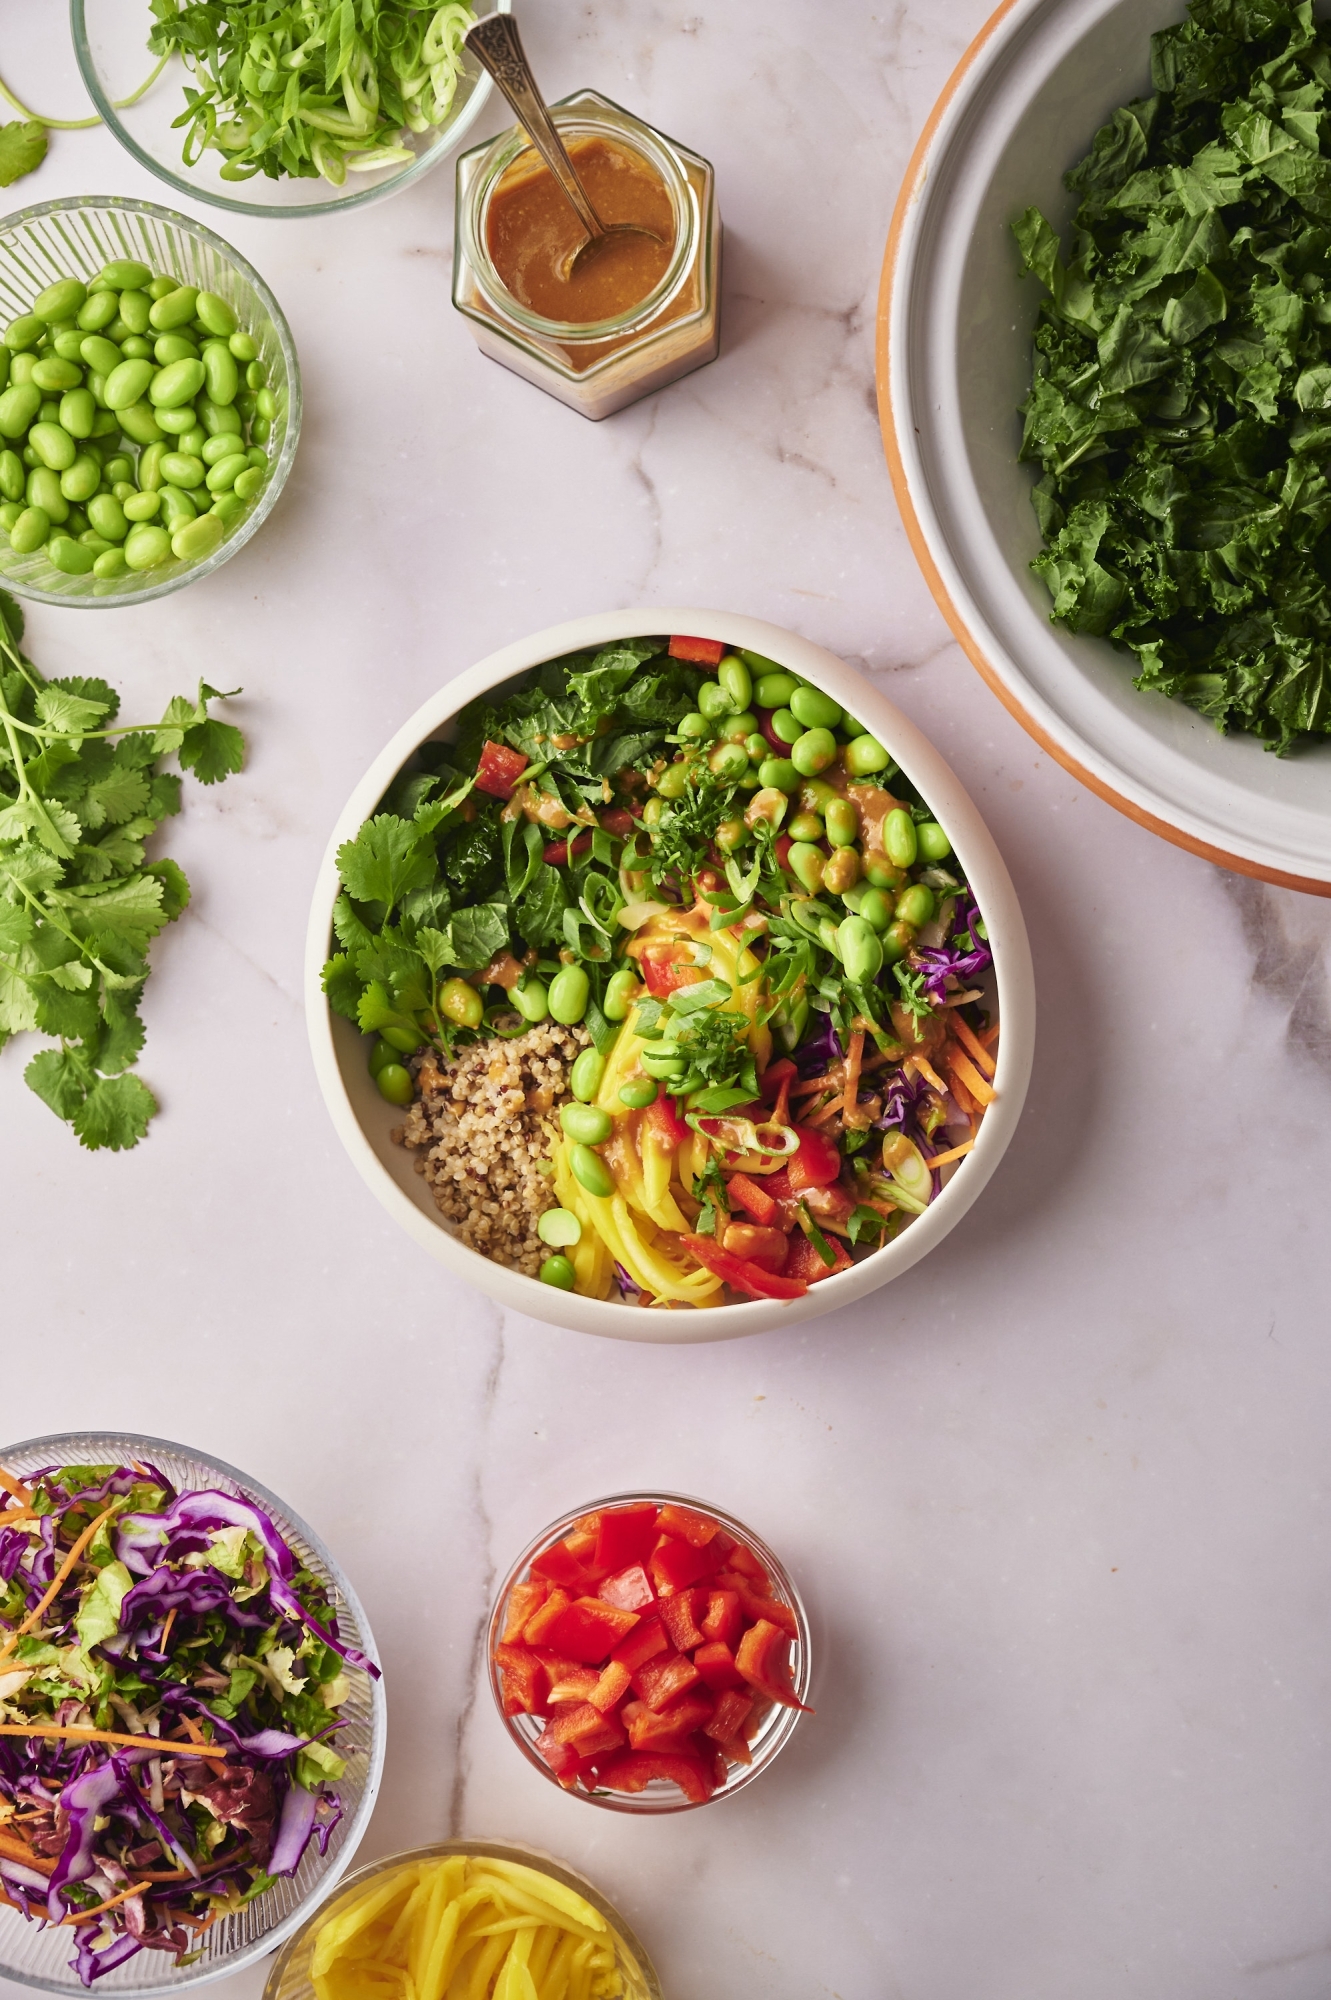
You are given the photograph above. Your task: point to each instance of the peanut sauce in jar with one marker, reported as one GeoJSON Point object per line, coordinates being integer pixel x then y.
{"type": "Point", "coordinates": [532, 234]}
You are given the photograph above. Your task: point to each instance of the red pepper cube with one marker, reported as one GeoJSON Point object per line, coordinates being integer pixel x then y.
{"type": "Point", "coordinates": [747, 1563]}
{"type": "Point", "coordinates": [558, 1565]}
{"type": "Point", "coordinates": [735, 1750]}
{"type": "Point", "coordinates": [672, 1727]}
{"type": "Point", "coordinates": [646, 1643]}
{"type": "Point", "coordinates": [755, 1606]}
{"type": "Point", "coordinates": [722, 1618]}
{"type": "Point", "coordinates": [688, 1524]}
{"type": "Point", "coordinates": [702, 652]}
{"type": "Point", "coordinates": [667, 1128]}
{"type": "Point", "coordinates": [629, 1590]}
{"type": "Point", "coordinates": [805, 1260]}
{"type": "Point", "coordinates": [587, 1629]}
{"type": "Point", "coordinates": [499, 770]}
{"type": "Point", "coordinates": [525, 1600]}
{"type": "Point", "coordinates": [536, 1631]}
{"type": "Point", "coordinates": [679, 1615]}
{"type": "Point", "coordinates": [523, 1679]}
{"type": "Point", "coordinates": [625, 1535]}
{"type": "Point", "coordinates": [762, 1658]}
{"type": "Point", "coordinates": [817, 1163]}
{"type": "Point", "coordinates": [716, 1664]}
{"type": "Point", "coordinates": [661, 1680]}
{"type": "Point", "coordinates": [612, 1686]}
{"type": "Point", "coordinates": [562, 1758]}
{"type": "Point", "coordinates": [587, 1731]}
{"type": "Point", "coordinates": [729, 1715]}
{"type": "Point", "coordinates": [634, 1770]}
{"type": "Point", "coordinates": [753, 1199]}
{"type": "Point", "coordinates": [575, 1684]}
{"type": "Point", "coordinates": [676, 1564]}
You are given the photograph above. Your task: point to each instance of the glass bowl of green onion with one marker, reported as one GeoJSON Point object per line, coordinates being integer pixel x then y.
{"type": "Point", "coordinates": [271, 107]}
{"type": "Point", "coordinates": [149, 402]}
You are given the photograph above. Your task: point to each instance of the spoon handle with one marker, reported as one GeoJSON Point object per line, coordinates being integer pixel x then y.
{"type": "Point", "coordinates": [498, 45]}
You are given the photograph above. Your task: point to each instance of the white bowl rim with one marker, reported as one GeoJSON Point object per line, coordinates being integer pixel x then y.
{"type": "Point", "coordinates": [59, 1446]}
{"type": "Point", "coordinates": [974, 846]}
{"type": "Point", "coordinates": [912, 228]}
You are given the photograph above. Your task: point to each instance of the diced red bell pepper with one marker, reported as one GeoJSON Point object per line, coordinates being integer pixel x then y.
{"type": "Point", "coordinates": [747, 1564]}
{"type": "Point", "coordinates": [777, 1186]}
{"type": "Point", "coordinates": [752, 1198]}
{"type": "Point", "coordinates": [611, 1688]}
{"type": "Point", "coordinates": [805, 1261]}
{"type": "Point", "coordinates": [647, 1642]}
{"type": "Point", "coordinates": [817, 1163]}
{"type": "Point", "coordinates": [587, 1629]}
{"type": "Point", "coordinates": [716, 1664]}
{"type": "Point", "coordinates": [499, 770]}
{"type": "Point", "coordinates": [663, 1121]}
{"type": "Point", "coordinates": [702, 652]}
{"type": "Point", "coordinates": [625, 1535]}
{"type": "Point", "coordinates": [587, 1731]}
{"type": "Point", "coordinates": [755, 1604]}
{"type": "Point", "coordinates": [536, 1632]}
{"type": "Point", "coordinates": [675, 1564]}
{"type": "Point", "coordinates": [562, 1758]}
{"type": "Point", "coordinates": [661, 1680]}
{"type": "Point", "coordinates": [722, 1618]}
{"type": "Point", "coordinates": [666, 968]}
{"type": "Point", "coordinates": [772, 1079]}
{"type": "Point", "coordinates": [575, 1684]}
{"type": "Point", "coordinates": [735, 1751]}
{"type": "Point", "coordinates": [728, 1719]}
{"type": "Point", "coordinates": [617, 820]}
{"type": "Point", "coordinates": [558, 851]}
{"type": "Point", "coordinates": [559, 1565]}
{"type": "Point", "coordinates": [688, 1524]}
{"type": "Point", "coordinates": [743, 1277]}
{"type": "Point", "coordinates": [678, 1617]}
{"type": "Point", "coordinates": [634, 1770]}
{"type": "Point", "coordinates": [783, 844]}
{"type": "Point", "coordinates": [762, 1658]}
{"type": "Point", "coordinates": [670, 1728]}
{"type": "Point", "coordinates": [629, 1590]}
{"type": "Point", "coordinates": [525, 1600]}
{"type": "Point", "coordinates": [523, 1678]}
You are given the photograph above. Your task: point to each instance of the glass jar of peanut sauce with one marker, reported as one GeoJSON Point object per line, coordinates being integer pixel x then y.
{"type": "Point", "coordinates": [657, 301]}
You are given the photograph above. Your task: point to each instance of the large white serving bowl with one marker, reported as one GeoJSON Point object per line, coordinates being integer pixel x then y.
{"type": "Point", "coordinates": [954, 361]}
{"type": "Point", "coordinates": [364, 1121]}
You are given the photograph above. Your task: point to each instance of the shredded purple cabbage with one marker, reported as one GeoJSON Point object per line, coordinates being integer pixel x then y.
{"type": "Point", "coordinates": [627, 1285]}
{"type": "Point", "coordinates": [954, 959]}
{"type": "Point", "coordinates": [820, 1048]}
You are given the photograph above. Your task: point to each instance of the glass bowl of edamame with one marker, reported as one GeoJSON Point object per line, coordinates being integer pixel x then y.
{"type": "Point", "coordinates": [149, 402]}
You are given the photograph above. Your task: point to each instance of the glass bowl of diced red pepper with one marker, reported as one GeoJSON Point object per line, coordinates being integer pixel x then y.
{"type": "Point", "coordinates": [649, 1653]}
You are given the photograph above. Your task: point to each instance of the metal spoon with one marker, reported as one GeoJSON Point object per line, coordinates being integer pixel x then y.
{"type": "Point", "coordinates": [497, 44]}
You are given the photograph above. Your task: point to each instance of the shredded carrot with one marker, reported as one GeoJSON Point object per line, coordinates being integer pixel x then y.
{"type": "Point", "coordinates": [22, 1493]}
{"type": "Point", "coordinates": [964, 1099]}
{"type": "Point", "coordinates": [990, 1036]}
{"type": "Point", "coordinates": [824, 1112]}
{"type": "Point", "coordinates": [828, 1082]}
{"type": "Point", "coordinates": [99, 1909]}
{"type": "Point", "coordinates": [961, 1066]}
{"type": "Point", "coordinates": [166, 1629]}
{"type": "Point", "coordinates": [928, 1072]}
{"type": "Point", "coordinates": [853, 1061]}
{"type": "Point", "coordinates": [34, 1617]}
{"type": "Point", "coordinates": [969, 1040]}
{"type": "Point", "coordinates": [781, 1110]}
{"type": "Point", "coordinates": [945, 1159]}
{"type": "Point", "coordinates": [74, 1735]}
{"type": "Point", "coordinates": [15, 1849]}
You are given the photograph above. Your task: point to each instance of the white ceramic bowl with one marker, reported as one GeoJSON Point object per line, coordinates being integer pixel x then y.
{"type": "Point", "coordinates": [364, 1121]}
{"type": "Point", "coordinates": [955, 328]}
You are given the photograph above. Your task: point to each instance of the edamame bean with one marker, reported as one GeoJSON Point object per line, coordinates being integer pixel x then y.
{"type": "Point", "coordinates": [778, 774]}
{"type": "Point", "coordinates": [785, 727]}
{"type": "Point", "coordinates": [136, 310]}
{"type": "Point", "coordinates": [265, 404]}
{"type": "Point", "coordinates": [176, 384]}
{"type": "Point", "coordinates": [461, 1003]}
{"type": "Point", "coordinates": [261, 429]}
{"type": "Point", "coordinates": [395, 1084]}
{"type": "Point", "coordinates": [19, 404]}
{"type": "Point", "coordinates": [99, 354]}
{"type": "Point", "coordinates": [814, 751]}
{"type": "Point", "coordinates": [899, 840]}
{"type": "Point", "coordinates": [757, 748]}
{"type": "Point", "coordinates": [216, 314]}
{"type": "Point", "coordinates": [874, 907]}
{"type": "Point", "coordinates": [107, 516]}
{"type": "Point", "coordinates": [806, 826]}
{"type": "Point", "coordinates": [216, 417]}
{"type": "Point", "coordinates": [865, 756]}
{"type": "Point", "coordinates": [52, 374]}
{"type": "Point", "coordinates": [404, 1040]}
{"type": "Point", "coordinates": [124, 274]}
{"type": "Point", "coordinates": [142, 506]}
{"type": "Point", "coordinates": [381, 1055]}
{"type": "Point", "coordinates": [728, 761]}
{"type": "Point", "coordinates": [219, 370]}
{"type": "Point", "coordinates": [815, 709]}
{"type": "Point", "coordinates": [559, 1272]}
{"type": "Point", "coordinates": [843, 823]}
{"type": "Point", "coordinates": [882, 873]}
{"type": "Point", "coordinates": [713, 702]}
{"type": "Point", "coordinates": [48, 414]}
{"type": "Point", "coordinates": [178, 510]}
{"type": "Point", "coordinates": [224, 446]}
{"type": "Point", "coordinates": [850, 727]}
{"type": "Point", "coordinates": [694, 724]}
{"type": "Point", "coordinates": [78, 413]}
{"type": "Point", "coordinates": [9, 513]}
{"type": "Point", "coordinates": [559, 1227]}
{"type": "Point", "coordinates": [80, 480]}
{"type": "Point", "coordinates": [587, 1124]}
{"type": "Point", "coordinates": [768, 803]}
{"type": "Point", "coordinates": [639, 1092]}
{"type": "Point", "coordinates": [243, 347]}
{"type": "Point", "coordinates": [6, 362]}
{"type": "Point", "coordinates": [151, 476]}
{"type": "Point", "coordinates": [29, 531]}
{"type": "Point", "coordinates": [23, 332]}
{"type": "Point", "coordinates": [897, 941]}
{"type": "Point", "coordinates": [117, 467]}
{"type": "Point", "coordinates": [124, 489]}
{"type": "Point", "coordinates": [251, 482]}
{"type": "Point", "coordinates": [172, 308]}
{"type": "Point", "coordinates": [933, 842]}
{"type": "Point", "coordinates": [13, 479]}
{"type": "Point", "coordinates": [147, 545]}
{"type": "Point", "coordinates": [586, 1075]}
{"type": "Point", "coordinates": [44, 492]}
{"type": "Point", "coordinates": [620, 994]}
{"type": "Point", "coordinates": [60, 300]}
{"type": "Point", "coordinates": [591, 1172]}
{"type": "Point", "coordinates": [139, 424]}
{"type": "Point", "coordinates": [774, 690]}
{"type": "Point", "coordinates": [860, 948]}
{"type": "Point", "coordinates": [70, 556]}
{"type": "Point", "coordinates": [135, 348]}
{"type": "Point", "coordinates": [161, 288]}
{"type": "Point", "coordinates": [663, 1060]}
{"type": "Point", "coordinates": [174, 347]}
{"type": "Point", "coordinates": [915, 905]}
{"type": "Point", "coordinates": [177, 421]}
{"type": "Point", "coordinates": [531, 1000]}
{"type": "Point", "coordinates": [736, 728]}
{"type": "Point", "coordinates": [731, 835]}
{"type": "Point", "coordinates": [842, 871]}
{"type": "Point", "coordinates": [731, 673]}
{"type": "Point", "coordinates": [126, 384]}
{"type": "Point", "coordinates": [256, 376]}
{"type": "Point", "coordinates": [570, 990]}
{"type": "Point", "coordinates": [228, 507]}
{"type": "Point", "coordinates": [110, 563]}
{"type": "Point", "coordinates": [105, 425]}
{"type": "Point", "coordinates": [672, 782]}
{"type": "Point", "coordinates": [805, 863]}
{"type": "Point", "coordinates": [180, 470]}
{"type": "Point", "coordinates": [98, 310]}
{"type": "Point", "coordinates": [21, 367]}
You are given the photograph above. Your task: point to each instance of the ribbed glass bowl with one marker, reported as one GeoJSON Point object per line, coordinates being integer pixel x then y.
{"type": "Point", "coordinates": [290, 1977]}
{"type": "Point", "coordinates": [74, 239]}
{"type": "Point", "coordinates": [111, 43]}
{"type": "Point", "coordinates": [39, 1956]}
{"type": "Point", "coordinates": [778, 1725]}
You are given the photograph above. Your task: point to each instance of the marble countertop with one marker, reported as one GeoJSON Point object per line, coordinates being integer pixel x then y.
{"type": "Point", "coordinates": [1058, 1497]}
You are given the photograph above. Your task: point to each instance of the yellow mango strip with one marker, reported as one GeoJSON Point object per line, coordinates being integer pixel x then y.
{"type": "Point", "coordinates": [332, 1937]}
{"type": "Point", "coordinates": [541, 1889]}
{"type": "Point", "coordinates": [547, 1937]}
{"type": "Point", "coordinates": [515, 1981]}
{"type": "Point", "coordinates": [487, 1964]}
{"type": "Point", "coordinates": [395, 1940]}
{"type": "Point", "coordinates": [592, 1263]}
{"type": "Point", "coordinates": [555, 1986]}
{"type": "Point", "coordinates": [425, 1925]}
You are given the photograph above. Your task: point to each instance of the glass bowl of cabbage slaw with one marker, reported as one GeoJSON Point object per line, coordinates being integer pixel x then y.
{"type": "Point", "coordinates": [170, 1600]}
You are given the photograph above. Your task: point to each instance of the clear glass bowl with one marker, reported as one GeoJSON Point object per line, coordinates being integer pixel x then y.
{"type": "Point", "coordinates": [38, 1956]}
{"type": "Point", "coordinates": [777, 1726]}
{"type": "Point", "coordinates": [74, 238]}
{"type": "Point", "coordinates": [290, 1977]}
{"type": "Point", "coordinates": [111, 43]}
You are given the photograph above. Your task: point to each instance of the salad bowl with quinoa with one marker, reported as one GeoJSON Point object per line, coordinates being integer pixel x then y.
{"type": "Point", "coordinates": [663, 981]}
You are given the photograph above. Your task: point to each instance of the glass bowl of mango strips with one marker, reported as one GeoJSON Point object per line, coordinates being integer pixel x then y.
{"type": "Point", "coordinates": [465, 1920]}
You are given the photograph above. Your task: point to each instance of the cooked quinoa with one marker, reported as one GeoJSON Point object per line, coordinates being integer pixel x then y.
{"type": "Point", "coordinates": [482, 1129]}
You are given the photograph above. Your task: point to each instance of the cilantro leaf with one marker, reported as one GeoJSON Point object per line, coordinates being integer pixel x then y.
{"type": "Point", "coordinates": [386, 858]}
{"type": "Point", "coordinates": [114, 1114]}
{"type": "Point", "coordinates": [22, 150]}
